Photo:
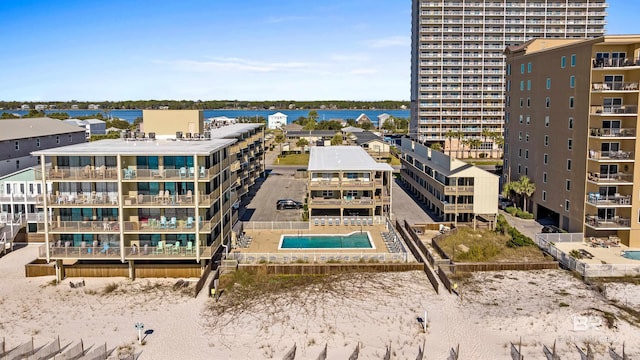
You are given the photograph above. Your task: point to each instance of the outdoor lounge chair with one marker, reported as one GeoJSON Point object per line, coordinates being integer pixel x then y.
{"type": "Point", "coordinates": [316, 222]}
{"type": "Point", "coordinates": [189, 250]}
{"type": "Point", "coordinates": [202, 172]}
{"type": "Point", "coordinates": [322, 221]}
{"type": "Point", "coordinates": [337, 221]}
{"type": "Point", "coordinates": [160, 248]}
{"type": "Point", "coordinates": [175, 249]}
{"type": "Point", "coordinates": [173, 224]}
{"type": "Point", "coordinates": [105, 249]}
{"type": "Point", "coordinates": [330, 222]}
{"type": "Point", "coordinates": [189, 223]}
{"type": "Point", "coordinates": [183, 172]}
{"type": "Point", "coordinates": [163, 222]}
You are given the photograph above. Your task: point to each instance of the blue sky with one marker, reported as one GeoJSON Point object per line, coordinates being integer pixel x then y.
{"type": "Point", "coordinates": [215, 49]}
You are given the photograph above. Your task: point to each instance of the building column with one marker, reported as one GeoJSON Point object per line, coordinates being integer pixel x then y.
{"type": "Point", "coordinates": [132, 270]}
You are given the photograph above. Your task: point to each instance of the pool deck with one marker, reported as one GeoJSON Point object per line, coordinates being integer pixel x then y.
{"type": "Point", "coordinates": [610, 255]}
{"type": "Point", "coordinates": [267, 241]}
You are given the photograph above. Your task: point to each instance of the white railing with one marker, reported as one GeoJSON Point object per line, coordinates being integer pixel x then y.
{"type": "Point", "coordinates": [319, 257]}
{"type": "Point", "coordinates": [275, 225]}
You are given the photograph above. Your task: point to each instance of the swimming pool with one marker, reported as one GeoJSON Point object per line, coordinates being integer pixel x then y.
{"type": "Point", "coordinates": [354, 240]}
{"type": "Point", "coordinates": [632, 254]}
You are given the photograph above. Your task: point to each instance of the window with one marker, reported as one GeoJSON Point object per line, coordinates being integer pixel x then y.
{"type": "Point", "coordinates": [521, 102]}
{"type": "Point", "coordinates": [572, 81]}
{"type": "Point", "coordinates": [508, 69]}
{"type": "Point", "coordinates": [563, 62]}
{"type": "Point", "coordinates": [569, 144]}
{"type": "Point", "coordinates": [573, 60]}
{"type": "Point", "coordinates": [548, 83]}
{"type": "Point", "coordinates": [544, 196]}
{"type": "Point", "coordinates": [526, 137]}
{"type": "Point", "coordinates": [520, 135]}
{"type": "Point", "coordinates": [570, 123]}
{"type": "Point", "coordinates": [567, 185]}
{"type": "Point", "coordinates": [569, 164]}
{"type": "Point", "coordinates": [521, 68]}
{"type": "Point", "coordinates": [544, 177]}
{"type": "Point", "coordinates": [17, 164]}
{"type": "Point", "coordinates": [70, 138]}
{"type": "Point", "coordinates": [38, 142]}
{"type": "Point", "coordinates": [546, 158]}
{"type": "Point", "coordinates": [521, 85]}
{"type": "Point", "coordinates": [519, 169]}
{"type": "Point", "coordinates": [566, 205]}
{"type": "Point", "coordinates": [521, 118]}
{"type": "Point", "coordinates": [526, 170]}
{"type": "Point", "coordinates": [547, 102]}
{"type": "Point", "coordinates": [57, 139]}
{"type": "Point", "coordinates": [528, 102]}
{"type": "Point", "coordinates": [17, 145]}
{"type": "Point", "coordinates": [528, 119]}
{"type": "Point", "coordinates": [571, 102]}
{"type": "Point", "coordinates": [546, 140]}
{"type": "Point", "coordinates": [519, 152]}
{"type": "Point", "coordinates": [546, 121]}
{"type": "Point", "coordinates": [526, 154]}
{"type": "Point", "coordinates": [529, 68]}
{"type": "Point", "coordinates": [528, 84]}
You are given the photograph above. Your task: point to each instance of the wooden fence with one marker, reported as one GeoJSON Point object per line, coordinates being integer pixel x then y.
{"type": "Point", "coordinates": [419, 243]}
{"type": "Point", "coordinates": [318, 269]}
{"type": "Point", "coordinates": [438, 249]}
{"type": "Point", "coordinates": [444, 278]}
{"type": "Point", "coordinates": [414, 248]}
{"type": "Point", "coordinates": [472, 267]}
{"type": "Point", "coordinates": [40, 268]}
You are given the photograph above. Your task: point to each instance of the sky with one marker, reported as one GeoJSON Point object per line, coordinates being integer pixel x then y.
{"type": "Point", "coordinates": [215, 49]}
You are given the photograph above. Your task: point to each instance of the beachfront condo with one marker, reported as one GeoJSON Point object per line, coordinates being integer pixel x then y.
{"type": "Point", "coordinates": [457, 61]}
{"type": "Point", "coordinates": [571, 126]}
{"type": "Point", "coordinates": [158, 202]}
{"type": "Point", "coordinates": [345, 183]}
{"type": "Point", "coordinates": [452, 189]}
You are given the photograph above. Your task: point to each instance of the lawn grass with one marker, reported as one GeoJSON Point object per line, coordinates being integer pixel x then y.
{"type": "Point", "coordinates": [293, 159]}
{"type": "Point", "coordinates": [486, 246]}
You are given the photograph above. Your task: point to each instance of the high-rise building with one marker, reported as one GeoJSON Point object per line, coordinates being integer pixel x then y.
{"type": "Point", "coordinates": [457, 64]}
{"type": "Point", "coordinates": [571, 126]}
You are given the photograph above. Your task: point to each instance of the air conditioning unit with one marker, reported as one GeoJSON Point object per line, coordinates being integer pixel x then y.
{"type": "Point", "coordinates": [178, 134]}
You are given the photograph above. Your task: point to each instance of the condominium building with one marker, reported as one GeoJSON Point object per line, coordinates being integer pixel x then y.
{"type": "Point", "coordinates": [345, 182]}
{"type": "Point", "coordinates": [19, 137]}
{"type": "Point", "coordinates": [151, 201]}
{"type": "Point", "coordinates": [457, 65]}
{"type": "Point", "coordinates": [452, 189]}
{"type": "Point", "coordinates": [571, 126]}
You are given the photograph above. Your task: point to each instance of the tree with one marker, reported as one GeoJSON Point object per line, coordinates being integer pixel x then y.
{"type": "Point", "coordinates": [279, 139]}
{"type": "Point", "coordinates": [436, 147]}
{"type": "Point", "coordinates": [336, 139]}
{"type": "Point", "coordinates": [459, 135]}
{"type": "Point", "coordinates": [525, 188]}
{"type": "Point", "coordinates": [466, 142]}
{"type": "Point", "coordinates": [389, 125]}
{"type": "Point", "coordinates": [475, 144]}
{"type": "Point", "coordinates": [301, 143]}
{"type": "Point", "coordinates": [450, 135]}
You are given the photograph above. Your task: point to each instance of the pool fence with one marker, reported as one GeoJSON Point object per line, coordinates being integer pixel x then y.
{"type": "Point", "coordinates": [318, 257]}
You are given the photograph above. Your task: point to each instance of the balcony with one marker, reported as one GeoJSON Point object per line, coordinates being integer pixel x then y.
{"type": "Point", "coordinates": [615, 86]}
{"type": "Point", "coordinates": [611, 155]}
{"type": "Point", "coordinates": [344, 202]}
{"type": "Point", "coordinates": [458, 190]}
{"type": "Point", "coordinates": [615, 110]}
{"type": "Point", "coordinates": [615, 63]}
{"type": "Point", "coordinates": [70, 227]}
{"type": "Point", "coordinates": [613, 132]}
{"type": "Point", "coordinates": [614, 223]}
{"type": "Point", "coordinates": [81, 173]}
{"type": "Point", "coordinates": [611, 178]}
{"type": "Point", "coordinates": [79, 199]}
{"type": "Point", "coordinates": [162, 199]}
{"type": "Point", "coordinates": [182, 173]}
{"type": "Point", "coordinates": [608, 200]}
{"type": "Point", "coordinates": [457, 208]}
{"type": "Point", "coordinates": [146, 252]}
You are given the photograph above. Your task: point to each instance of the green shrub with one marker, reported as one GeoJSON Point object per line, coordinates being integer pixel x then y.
{"type": "Point", "coordinates": [502, 225]}
{"type": "Point", "coordinates": [483, 155]}
{"type": "Point", "coordinates": [518, 239]}
{"type": "Point", "coordinates": [511, 210]}
{"type": "Point", "coordinates": [523, 214]}
{"type": "Point", "coordinates": [575, 254]}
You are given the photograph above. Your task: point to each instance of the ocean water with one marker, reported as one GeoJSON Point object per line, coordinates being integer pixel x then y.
{"type": "Point", "coordinates": [130, 115]}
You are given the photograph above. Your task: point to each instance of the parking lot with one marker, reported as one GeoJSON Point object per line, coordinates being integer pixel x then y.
{"type": "Point", "coordinates": [280, 184]}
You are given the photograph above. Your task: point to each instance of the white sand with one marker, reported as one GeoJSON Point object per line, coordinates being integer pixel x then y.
{"type": "Point", "coordinates": [372, 309]}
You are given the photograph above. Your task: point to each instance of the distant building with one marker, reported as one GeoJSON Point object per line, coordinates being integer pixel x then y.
{"type": "Point", "coordinates": [24, 107]}
{"type": "Point", "coordinates": [91, 126]}
{"type": "Point", "coordinates": [168, 123]}
{"type": "Point", "coordinates": [351, 129]}
{"type": "Point", "coordinates": [218, 121]}
{"type": "Point", "coordinates": [292, 127]}
{"type": "Point", "coordinates": [74, 107]}
{"type": "Point", "coordinates": [362, 118]}
{"type": "Point", "coordinates": [18, 197]}
{"type": "Point", "coordinates": [382, 118]}
{"type": "Point", "coordinates": [19, 137]}
{"type": "Point", "coordinates": [93, 107]}
{"type": "Point", "coordinates": [40, 107]}
{"type": "Point", "coordinates": [277, 120]}
{"type": "Point", "coordinates": [371, 143]}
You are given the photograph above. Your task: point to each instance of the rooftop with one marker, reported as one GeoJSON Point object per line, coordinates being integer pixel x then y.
{"type": "Point", "coordinates": [343, 158]}
{"type": "Point", "coordinates": [234, 130]}
{"type": "Point", "coordinates": [11, 129]}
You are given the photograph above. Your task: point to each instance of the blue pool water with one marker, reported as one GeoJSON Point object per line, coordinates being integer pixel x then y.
{"type": "Point", "coordinates": [355, 240]}
{"type": "Point", "coordinates": [635, 255]}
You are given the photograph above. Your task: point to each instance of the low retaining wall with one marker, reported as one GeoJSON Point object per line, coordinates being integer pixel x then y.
{"type": "Point", "coordinates": [472, 267]}
{"type": "Point", "coordinates": [41, 268]}
{"type": "Point", "coordinates": [318, 269]}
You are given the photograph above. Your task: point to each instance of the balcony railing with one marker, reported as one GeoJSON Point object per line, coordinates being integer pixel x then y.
{"type": "Point", "coordinates": [617, 109]}
{"type": "Point", "coordinates": [607, 63]}
{"type": "Point", "coordinates": [342, 202]}
{"type": "Point", "coordinates": [613, 132]}
{"type": "Point", "coordinates": [81, 227]}
{"type": "Point", "coordinates": [610, 178]}
{"type": "Point", "coordinates": [616, 222]}
{"type": "Point", "coordinates": [19, 198]}
{"type": "Point", "coordinates": [598, 200]}
{"type": "Point", "coordinates": [336, 184]}
{"type": "Point", "coordinates": [460, 190]}
{"type": "Point", "coordinates": [169, 251]}
{"type": "Point", "coordinates": [81, 173]}
{"type": "Point", "coordinates": [615, 86]}
{"type": "Point", "coordinates": [453, 208]}
{"type": "Point", "coordinates": [79, 199]}
{"type": "Point", "coordinates": [610, 155]}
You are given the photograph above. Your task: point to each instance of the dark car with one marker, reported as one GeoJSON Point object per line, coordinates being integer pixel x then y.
{"type": "Point", "coordinates": [551, 229]}
{"type": "Point", "coordinates": [288, 204]}
{"type": "Point", "coordinates": [504, 203]}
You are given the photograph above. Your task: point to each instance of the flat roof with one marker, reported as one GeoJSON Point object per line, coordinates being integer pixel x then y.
{"type": "Point", "coordinates": [343, 158]}
{"type": "Point", "coordinates": [12, 129]}
{"type": "Point", "coordinates": [233, 130]}
{"type": "Point", "coordinates": [139, 147]}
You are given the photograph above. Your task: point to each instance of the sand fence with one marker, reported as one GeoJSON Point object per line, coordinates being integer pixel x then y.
{"type": "Point", "coordinates": [54, 350]}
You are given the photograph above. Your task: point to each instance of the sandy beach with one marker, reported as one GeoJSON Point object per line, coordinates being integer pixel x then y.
{"type": "Point", "coordinates": [373, 310]}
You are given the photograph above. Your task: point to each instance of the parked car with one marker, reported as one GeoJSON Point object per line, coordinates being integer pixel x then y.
{"type": "Point", "coordinates": [504, 203]}
{"type": "Point", "coordinates": [288, 204]}
{"type": "Point", "coordinates": [551, 229]}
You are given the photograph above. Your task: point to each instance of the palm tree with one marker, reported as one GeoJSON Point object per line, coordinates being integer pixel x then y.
{"type": "Point", "coordinates": [279, 139]}
{"type": "Point", "coordinates": [301, 143]}
{"type": "Point", "coordinates": [475, 144]}
{"type": "Point", "coordinates": [498, 140]}
{"type": "Point", "coordinates": [337, 139]}
{"type": "Point", "coordinates": [459, 135]}
{"type": "Point", "coordinates": [487, 134]}
{"type": "Point", "coordinates": [466, 142]}
{"type": "Point", "coordinates": [436, 147]}
{"type": "Point", "coordinates": [525, 188]}
{"type": "Point", "coordinates": [450, 135]}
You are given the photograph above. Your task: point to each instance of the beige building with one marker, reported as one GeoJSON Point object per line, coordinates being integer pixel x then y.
{"type": "Point", "coordinates": [346, 183]}
{"type": "Point", "coordinates": [452, 189]}
{"type": "Point", "coordinates": [162, 201]}
{"type": "Point", "coordinates": [571, 124]}
{"type": "Point", "coordinates": [166, 123]}
{"type": "Point", "coordinates": [457, 62]}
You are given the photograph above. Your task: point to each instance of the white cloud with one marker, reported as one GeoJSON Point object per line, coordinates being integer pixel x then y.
{"type": "Point", "coordinates": [238, 64]}
{"type": "Point", "coordinates": [390, 42]}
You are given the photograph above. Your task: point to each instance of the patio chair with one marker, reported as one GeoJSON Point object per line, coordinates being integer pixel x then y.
{"type": "Point", "coordinates": [189, 196]}
{"type": "Point", "coordinates": [192, 172]}
{"type": "Point", "coordinates": [183, 172]}
{"type": "Point", "coordinates": [189, 250]}
{"type": "Point", "coordinates": [175, 249]}
{"type": "Point", "coordinates": [160, 248]}
{"type": "Point", "coordinates": [353, 221]}
{"type": "Point", "coordinates": [370, 221]}
{"type": "Point", "coordinates": [322, 221]}
{"type": "Point", "coordinates": [203, 172]}
{"type": "Point", "coordinates": [173, 223]}
{"type": "Point", "coordinates": [345, 222]}
{"type": "Point", "coordinates": [128, 174]}
{"type": "Point", "coordinates": [163, 222]}
{"type": "Point", "coordinates": [167, 197]}
{"type": "Point", "coordinates": [105, 249]}
{"type": "Point", "coordinates": [316, 222]}
{"type": "Point", "coordinates": [189, 223]}
{"type": "Point", "coordinates": [330, 221]}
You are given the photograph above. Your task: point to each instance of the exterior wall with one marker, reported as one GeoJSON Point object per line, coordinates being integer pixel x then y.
{"type": "Point", "coordinates": [277, 120]}
{"type": "Point", "coordinates": [457, 65]}
{"type": "Point", "coordinates": [165, 123]}
{"type": "Point", "coordinates": [588, 132]}
{"type": "Point", "coordinates": [12, 160]}
{"type": "Point", "coordinates": [97, 129]}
